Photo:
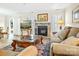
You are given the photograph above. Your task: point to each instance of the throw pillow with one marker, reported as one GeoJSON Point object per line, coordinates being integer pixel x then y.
{"type": "Point", "coordinates": [62, 34]}
{"type": "Point", "coordinates": [73, 32]}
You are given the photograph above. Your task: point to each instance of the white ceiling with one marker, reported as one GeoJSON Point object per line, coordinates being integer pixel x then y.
{"type": "Point", "coordinates": [10, 8]}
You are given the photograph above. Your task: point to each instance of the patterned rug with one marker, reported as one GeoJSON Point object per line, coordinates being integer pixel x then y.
{"type": "Point", "coordinates": [44, 49]}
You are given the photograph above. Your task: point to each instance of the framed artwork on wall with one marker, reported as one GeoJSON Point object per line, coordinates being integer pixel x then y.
{"type": "Point", "coordinates": [42, 17]}
{"type": "Point", "coordinates": [75, 15]}
{"type": "Point", "coordinates": [26, 24]}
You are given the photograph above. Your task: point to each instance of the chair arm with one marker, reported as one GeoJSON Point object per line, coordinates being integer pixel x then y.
{"type": "Point", "coordinates": [29, 51]}
{"type": "Point", "coordinates": [64, 49]}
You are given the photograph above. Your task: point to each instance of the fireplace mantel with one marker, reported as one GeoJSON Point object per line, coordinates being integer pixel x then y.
{"type": "Point", "coordinates": [36, 21]}
{"type": "Point", "coordinates": [42, 22]}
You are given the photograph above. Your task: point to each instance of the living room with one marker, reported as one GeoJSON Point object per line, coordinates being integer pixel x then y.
{"type": "Point", "coordinates": [39, 29]}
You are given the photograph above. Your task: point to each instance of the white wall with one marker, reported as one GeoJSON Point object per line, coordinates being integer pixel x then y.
{"type": "Point", "coordinates": [16, 25]}
{"type": "Point", "coordinates": [68, 16]}
{"type": "Point", "coordinates": [2, 21]}
{"type": "Point", "coordinates": [33, 16]}
{"type": "Point", "coordinates": [28, 16]}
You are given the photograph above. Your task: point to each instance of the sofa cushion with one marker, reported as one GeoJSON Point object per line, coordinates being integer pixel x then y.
{"type": "Point", "coordinates": [73, 31]}
{"type": "Point", "coordinates": [55, 39]}
{"type": "Point", "coordinates": [65, 50]}
{"type": "Point", "coordinates": [71, 41]}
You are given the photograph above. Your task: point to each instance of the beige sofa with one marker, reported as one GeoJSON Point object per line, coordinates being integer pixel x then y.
{"type": "Point", "coordinates": [29, 51]}
{"type": "Point", "coordinates": [68, 46]}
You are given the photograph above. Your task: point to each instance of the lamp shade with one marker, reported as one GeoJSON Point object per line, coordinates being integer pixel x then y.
{"type": "Point", "coordinates": [60, 22]}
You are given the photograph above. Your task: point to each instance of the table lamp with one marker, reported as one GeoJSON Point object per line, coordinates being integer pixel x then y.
{"type": "Point", "coordinates": [60, 22]}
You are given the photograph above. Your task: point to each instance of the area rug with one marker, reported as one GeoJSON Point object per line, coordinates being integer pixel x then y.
{"type": "Point", "coordinates": [44, 49]}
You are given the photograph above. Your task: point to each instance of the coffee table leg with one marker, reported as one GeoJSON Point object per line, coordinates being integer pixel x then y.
{"type": "Point", "coordinates": [41, 40]}
{"type": "Point", "coordinates": [13, 45]}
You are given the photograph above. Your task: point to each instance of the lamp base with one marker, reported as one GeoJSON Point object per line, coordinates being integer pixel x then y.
{"type": "Point", "coordinates": [60, 27]}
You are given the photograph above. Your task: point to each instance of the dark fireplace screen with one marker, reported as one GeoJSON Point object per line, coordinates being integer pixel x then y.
{"type": "Point", "coordinates": [42, 30]}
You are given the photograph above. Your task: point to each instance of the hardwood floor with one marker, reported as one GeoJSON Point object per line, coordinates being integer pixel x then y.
{"type": "Point", "coordinates": [4, 43]}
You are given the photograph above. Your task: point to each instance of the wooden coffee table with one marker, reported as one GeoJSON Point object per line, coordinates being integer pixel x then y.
{"type": "Point", "coordinates": [26, 43]}
{"type": "Point", "coordinates": [19, 43]}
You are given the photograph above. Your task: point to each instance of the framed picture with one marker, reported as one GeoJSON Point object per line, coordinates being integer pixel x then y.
{"type": "Point", "coordinates": [75, 14]}
{"type": "Point", "coordinates": [42, 17]}
{"type": "Point", "coordinates": [26, 24]}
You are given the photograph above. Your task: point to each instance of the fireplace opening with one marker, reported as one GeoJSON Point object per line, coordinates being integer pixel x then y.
{"type": "Point", "coordinates": [42, 30]}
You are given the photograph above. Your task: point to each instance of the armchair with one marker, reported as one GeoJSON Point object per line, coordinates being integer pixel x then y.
{"type": "Point", "coordinates": [29, 51]}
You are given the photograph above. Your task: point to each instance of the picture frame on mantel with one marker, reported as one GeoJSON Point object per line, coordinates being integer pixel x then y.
{"type": "Point", "coordinates": [42, 17]}
{"type": "Point", "coordinates": [75, 15]}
